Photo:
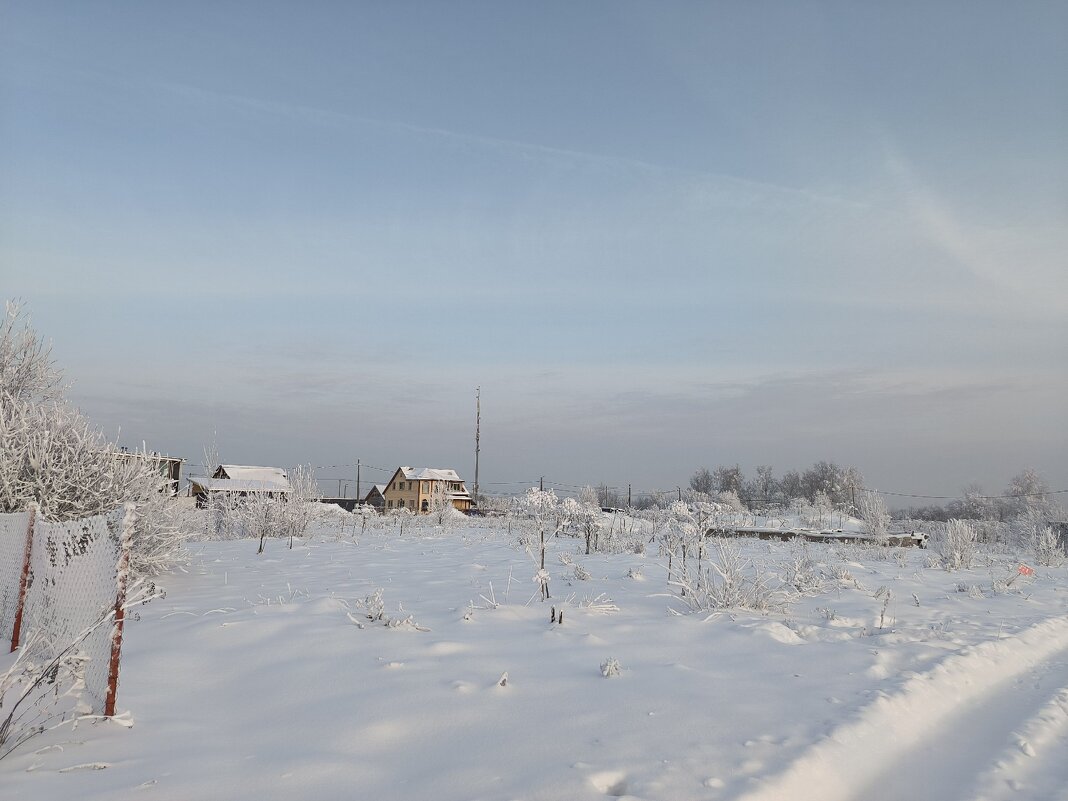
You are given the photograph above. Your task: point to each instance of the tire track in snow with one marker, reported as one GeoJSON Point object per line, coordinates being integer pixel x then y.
{"type": "Point", "coordinates": [1034, 766]}
{"type": "Point", "coordinates": [939, 736]}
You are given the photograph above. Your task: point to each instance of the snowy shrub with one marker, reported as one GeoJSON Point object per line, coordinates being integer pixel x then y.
{"type": "Point", "coordinates": [39, 696]}
{"type": "Point", "coordinates": [1048, 549]}
{"type": "Point", "coordinates": [901, 556]}
{"type": "Point", "coordinates": [635, 573]}
{"type": "Point", "coordinates": [541, 507]}
{"type": "Point", "coordinates": [599, 603]}
{"type": "Point", "coordinates": [887, 595]}
{"type": "Point", "coordinates": [817, 513]}
{"type": "Point", "coordinates": [362, 516]}
{"type": "Point", "coordinates": [729, 582]}
{"type": "Point", "coordinates": [542, 578]}
{"type": "Point", "coordinates": [803, 574]}
{"type": "Point", "coordinates": [374, 611]}
{"type": "Point", "coordinates": [54, 457]}
{"type": "Point", "coordinates": [402, 518]}
{"type": "Point", "coordinates": [43, 686]}
{"type": "Point", "coordinates": [586, 520]}
{"type": "Point", "coordinates": [730, 499]}
{"type": "Point", "coordinates": [842, 577]}
{"type": "Point", "coordinates": [610, 667]}
{"type": "Point", "coordinates": [956, 545]}
{"type": "Point", "coordinates": [374, 606]}
{"type": "Point", "coordinates": [874, 513]}
{"type": "Point", "coordinates": [582, 574]}
{"type": "Point", "coordinates": [441, 511]}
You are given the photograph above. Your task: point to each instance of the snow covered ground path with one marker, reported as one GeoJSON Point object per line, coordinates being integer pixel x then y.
{"type": "Point", "coordinates": [937, 737]}
{"type": "Point", "coordinates": [261, 677]}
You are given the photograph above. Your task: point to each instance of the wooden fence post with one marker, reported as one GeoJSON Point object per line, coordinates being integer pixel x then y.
{"type": "Point", "coordinates": [121, 580]}
{"type": "Point", "coordinates": [24, 579]}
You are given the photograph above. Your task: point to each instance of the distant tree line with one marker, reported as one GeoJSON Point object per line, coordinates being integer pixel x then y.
{"type": "Point", "coordinates": [1026, 494]}
{"type": "Point", "coordinates": [823, 479]}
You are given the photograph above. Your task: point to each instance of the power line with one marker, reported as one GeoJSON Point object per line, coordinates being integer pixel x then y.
{"type": "Point", "coordinates": [958, 497]}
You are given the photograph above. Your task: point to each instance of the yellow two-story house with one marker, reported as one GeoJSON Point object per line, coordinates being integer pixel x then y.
{"type": "Point", "coordinates": [413, 487]}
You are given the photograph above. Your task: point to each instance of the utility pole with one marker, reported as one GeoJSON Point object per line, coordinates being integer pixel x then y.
{"type": "Point", "coordinates": [680, 493]}
{"type": "Point", "coordinates": [357, 479]}
{"type": "Point", "coordinates": [478, 426]}
{"type": "Point", "coordinates": [541, 483]}
{"type": "Point", "coordinates": [628, 497]}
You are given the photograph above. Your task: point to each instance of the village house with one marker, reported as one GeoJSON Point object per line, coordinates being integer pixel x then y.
{"type": "Point", "coordinates": [168, 467]}
{"type": "Point", "coordinates": [240, 480]}
{"type": "Point", "coordinates": [376, 498]}
{"type": "Point", "coordinates": [414, 488]}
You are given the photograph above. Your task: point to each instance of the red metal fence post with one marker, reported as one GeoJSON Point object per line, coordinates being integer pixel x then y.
{"type": "Point", "coordinates": [24, 580]}
{"type": "Point", "coordinates": [121, 579]}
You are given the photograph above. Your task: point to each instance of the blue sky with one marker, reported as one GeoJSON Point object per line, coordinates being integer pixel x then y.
{"type": "Point", "coordinates": [658, 236]}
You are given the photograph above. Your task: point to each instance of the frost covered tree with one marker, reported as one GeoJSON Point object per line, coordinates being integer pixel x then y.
{"type": "Point", "coordinates": [541, 507]}
{"type": "Point", "coordinates": [728, 479]}
{"type": "Point", "coordinates": [586, 518]}
{"type": "Point", "coordinates": [53, 456]}
{"type": "Point", "coordinates": [956, 545]}
{"type": "Point", "coordinates": [874, 513]}
{"type": "Point", "coordinates": [791, 485]}
{"type": "Point", "coordinates": [973, 504]}
{"type": "Point", "coordinates": [440, 508]}
{"type": "Point", "coordinates": [702, 481]}
{"type": "Point", "coordinates": [1028, 494]}
{"type": "Point", "coordinates": [730, 499]}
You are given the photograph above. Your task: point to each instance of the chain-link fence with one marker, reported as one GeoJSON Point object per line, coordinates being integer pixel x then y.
{"type": "Point", "coordinates": [58, 581]}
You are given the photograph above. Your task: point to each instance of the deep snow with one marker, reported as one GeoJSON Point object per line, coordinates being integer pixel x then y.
{"type": "Point", "coordinates": [261, 677]}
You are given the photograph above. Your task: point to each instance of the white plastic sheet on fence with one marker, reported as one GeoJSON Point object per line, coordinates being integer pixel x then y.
{"type": "Point", "coordinates": [73, 582]}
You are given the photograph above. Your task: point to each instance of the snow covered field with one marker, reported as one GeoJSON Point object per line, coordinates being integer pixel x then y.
{"type": "Point", "coordinates": [263, 677]}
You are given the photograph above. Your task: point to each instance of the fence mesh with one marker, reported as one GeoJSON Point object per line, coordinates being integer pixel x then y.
{"type": "Point", "coordinates": [73, 580]}
{"type": "Point", "coordinates": [12, 549]}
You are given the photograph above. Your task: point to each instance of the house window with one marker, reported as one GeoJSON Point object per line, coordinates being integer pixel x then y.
{"type": "Point", "coordinates": [400, 503]}
{"type": "Point", "coordinates": [389, 504]}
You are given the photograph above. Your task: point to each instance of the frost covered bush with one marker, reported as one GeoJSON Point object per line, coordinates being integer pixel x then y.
{"type": "Point", "coordinates": [730, 581]}
{"type": "Point", "coordinates": [364, 515]}
{"type": "Point", "coordinates": [610, 667]}
{"type": "Point", "coordinates": [1048, 549]}
{"type": "Point", "coordinates": [956, 545]}
{"type": "Point", "coordinates": [874, 513]}
{"type": "Point", "coordinates": [261, 516]}
{"type": "Point", "coordinates": [541, 507]}
{"type": "Point", "coordinates": [54, 457]}
{"type": "Point", "coordinates": [38, 696]}
{"type": "Point", "coordinates": [802, 574]}
{"type": "Point", "coordinates": [373, 609]}
{"type": "Point", "coordinates": [816, 513]}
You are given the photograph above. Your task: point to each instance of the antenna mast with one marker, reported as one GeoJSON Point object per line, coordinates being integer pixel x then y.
{"type": "Point", "coordinates": [478, 425]}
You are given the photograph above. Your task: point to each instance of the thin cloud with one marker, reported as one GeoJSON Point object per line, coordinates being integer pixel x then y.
{"type": "Point", "coordinates": [747, 190]}
{"type": "Point", "coordinates": [967, 246]}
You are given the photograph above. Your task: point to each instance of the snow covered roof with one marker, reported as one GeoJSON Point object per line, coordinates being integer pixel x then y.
{"type": "Point", "coordinates": [429, 474]}
{"type": "Point", "coordinates": [265, 477]}
{"type": "Point", "coordinates": [237, 485]}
